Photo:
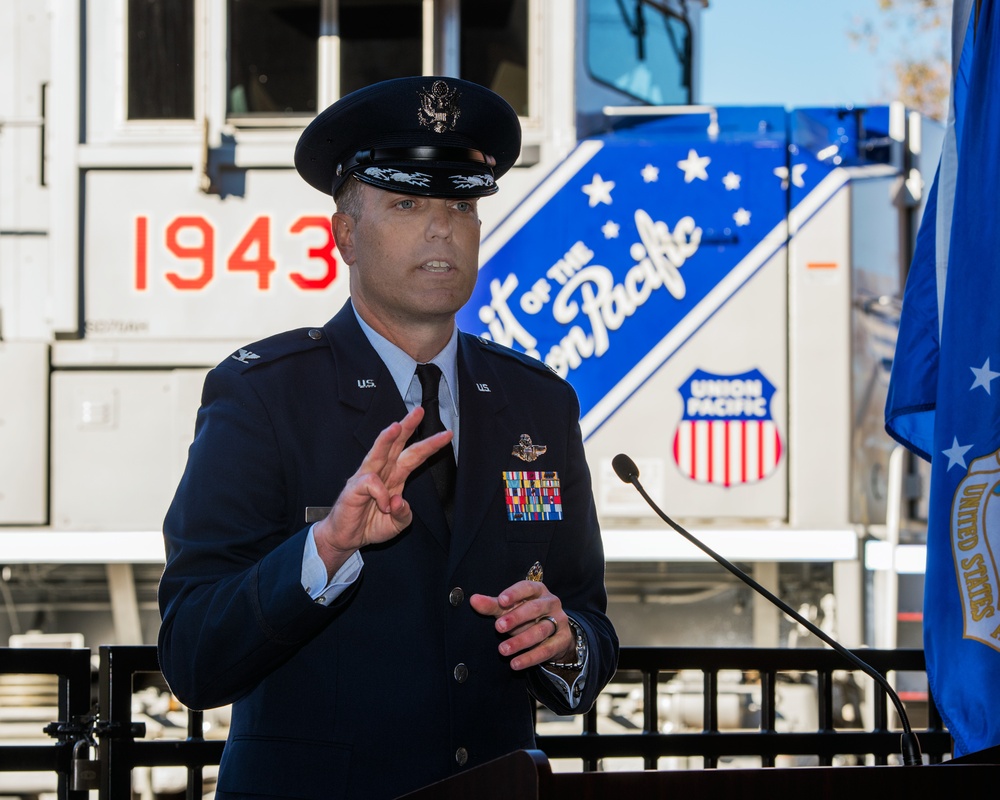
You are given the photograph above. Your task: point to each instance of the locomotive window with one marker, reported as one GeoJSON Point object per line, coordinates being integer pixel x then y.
{"type": "Point", "coordinates": [641, 49]}
{"type": "Point", "coordinates": [378, 41]}
{"type": "Point", "coordinates": [272, 57]}
{"type": "Point", "coordinates": [494, 48]}
{"type": "Point", "coordinates": [161, 59]}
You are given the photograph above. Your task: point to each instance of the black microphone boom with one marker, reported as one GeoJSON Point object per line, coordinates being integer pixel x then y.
{"type": "Point", "coordinates": [626, 469]}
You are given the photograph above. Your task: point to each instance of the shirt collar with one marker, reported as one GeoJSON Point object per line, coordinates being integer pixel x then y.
{"type": "Point", "coordinates": [402, 366]}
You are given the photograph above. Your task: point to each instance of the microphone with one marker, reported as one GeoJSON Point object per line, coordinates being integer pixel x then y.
{"type": "Point", "coordinates": [626, 469]}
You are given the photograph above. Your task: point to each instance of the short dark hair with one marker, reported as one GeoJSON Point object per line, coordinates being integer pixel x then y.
{"type": "Point", "coordinates": [348, 199]}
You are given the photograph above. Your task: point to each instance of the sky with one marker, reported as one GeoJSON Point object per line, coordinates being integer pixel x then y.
{"type": "Point", "coordinates": [799, 53]}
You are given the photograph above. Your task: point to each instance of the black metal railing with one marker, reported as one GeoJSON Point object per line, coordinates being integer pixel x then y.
{"type": "Point", "coordinates": [123, 751]}
{"type": "Point", "coordinates": [75, 714]}
{"type": "Point", "coordinates": [121, 746]}
{"type": "Point", "coordinates": [650, 666]}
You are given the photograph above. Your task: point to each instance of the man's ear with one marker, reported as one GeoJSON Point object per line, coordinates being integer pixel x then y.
{"type": "Point", "coordinates": [343, 235]}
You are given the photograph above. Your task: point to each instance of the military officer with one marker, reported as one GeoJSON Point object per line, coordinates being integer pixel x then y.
{"type": "Point", "coordinates": [384, 547]}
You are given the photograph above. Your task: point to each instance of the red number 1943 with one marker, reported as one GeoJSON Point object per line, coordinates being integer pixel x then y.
{"type": "Point", "coordinates": [192, 238]}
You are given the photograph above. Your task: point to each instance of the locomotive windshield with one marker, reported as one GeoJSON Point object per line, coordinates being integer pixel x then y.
{"type": "Point", "coordinates": [641, 48]}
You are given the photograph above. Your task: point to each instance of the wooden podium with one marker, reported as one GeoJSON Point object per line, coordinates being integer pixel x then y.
{"type": "Point", "coordinates": [527, 775]}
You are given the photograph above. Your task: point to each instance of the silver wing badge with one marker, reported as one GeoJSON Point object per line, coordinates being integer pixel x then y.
{"type": "Point", "coordinates": [526, 451]}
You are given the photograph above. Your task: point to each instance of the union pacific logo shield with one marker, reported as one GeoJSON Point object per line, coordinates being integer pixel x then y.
{"type": "Point", "coordinates": [727, 435]}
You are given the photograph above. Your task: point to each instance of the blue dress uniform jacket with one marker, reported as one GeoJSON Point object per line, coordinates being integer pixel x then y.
{"type": "Point", "coordinates": [399, 682]}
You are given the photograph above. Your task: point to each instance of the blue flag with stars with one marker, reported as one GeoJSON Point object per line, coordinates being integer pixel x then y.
{"type": "Point", "coordinates": [944, 397]}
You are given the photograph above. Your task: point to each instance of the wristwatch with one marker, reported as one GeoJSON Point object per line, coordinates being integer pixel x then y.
{"type": "Point", "coordinates": [581, 650]}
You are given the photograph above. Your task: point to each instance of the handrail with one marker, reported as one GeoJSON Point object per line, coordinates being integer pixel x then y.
{"type": "Point", "coordinates": [73, 673]}
{"type": "Point", "coordinates": [649, 665]}
{"type": "Point", "coordinates": [657, 670]}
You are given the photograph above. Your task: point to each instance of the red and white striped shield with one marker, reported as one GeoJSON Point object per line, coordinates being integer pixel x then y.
{"type": "Point", "coordinates": [727, 436]}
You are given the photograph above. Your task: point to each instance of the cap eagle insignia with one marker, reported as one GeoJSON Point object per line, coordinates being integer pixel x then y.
{"type": "Point", "coordinates": [439, 109]}
{"type": "Point", "coordinates": [526, 451]}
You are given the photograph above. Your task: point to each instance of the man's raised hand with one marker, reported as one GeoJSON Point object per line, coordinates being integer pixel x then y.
{"type": "Point", "coordinates": [371, 508]}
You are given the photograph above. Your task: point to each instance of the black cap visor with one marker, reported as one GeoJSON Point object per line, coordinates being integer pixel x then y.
{"type": "Point", "coordinates": [431, 171]}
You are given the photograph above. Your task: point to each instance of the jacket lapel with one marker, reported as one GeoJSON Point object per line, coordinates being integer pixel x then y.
{"type": "Point", "coordinates": [481, 398]}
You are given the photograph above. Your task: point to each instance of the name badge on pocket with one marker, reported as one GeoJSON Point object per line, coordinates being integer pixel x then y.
{"type": "Point", "coordinates": [532, 496]}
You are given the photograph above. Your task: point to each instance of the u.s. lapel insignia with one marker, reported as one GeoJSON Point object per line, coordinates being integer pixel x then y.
{"type": "Point", "coordinates": [534, 572]}
{"type": "Point", "coordinates": [532, 496]}
{"type": "Point", "coordinates": [526, 451]}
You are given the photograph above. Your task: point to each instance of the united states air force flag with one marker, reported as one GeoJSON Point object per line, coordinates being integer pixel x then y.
{"type": "Point", "coordinates": [944, 396]}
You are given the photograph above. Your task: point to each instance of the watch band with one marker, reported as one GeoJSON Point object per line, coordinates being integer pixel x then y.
{"type": "Point", "coordinates": [581, 650]}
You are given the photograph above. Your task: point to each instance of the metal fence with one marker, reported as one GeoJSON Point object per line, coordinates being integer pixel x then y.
{"type": "Point", "coordinates": [649, 675]}
{"type": "Point", "coordinates": [834, 740]}
{"type": "Point", "coordinates": [71, 670]}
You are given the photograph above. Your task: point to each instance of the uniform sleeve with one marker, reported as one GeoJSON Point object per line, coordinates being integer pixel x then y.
{"type": "Point", "coordinates": [231, 599]}
{"type": "Point", "coordinates": [579, 552]}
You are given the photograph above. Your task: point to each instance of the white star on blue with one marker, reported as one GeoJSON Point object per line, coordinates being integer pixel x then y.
{"type": "Point", "coordinates": [796, 176]}
{"type": "Point", "coordinates": [694, 166]}
{"type": "Point", "coordinates": [599, 191]}
{"type": "Point", "coordinates": [956, 453]}
{"type": "Point", "coordinates": [984, 377]}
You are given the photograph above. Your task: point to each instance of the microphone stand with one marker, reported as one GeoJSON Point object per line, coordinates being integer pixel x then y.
{"type": "Point", "coordinates": [626, 469]}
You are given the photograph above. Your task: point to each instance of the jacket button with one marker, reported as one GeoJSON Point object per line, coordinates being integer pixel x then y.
{"type": "Point", "coordinates": [456, 596]}
{"type": "Point", "coordinates": [461, 756]}
{"type": "Point", "coordinates": [314, 333]}
{"type": "Point", "coordinates": [461, 673]}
